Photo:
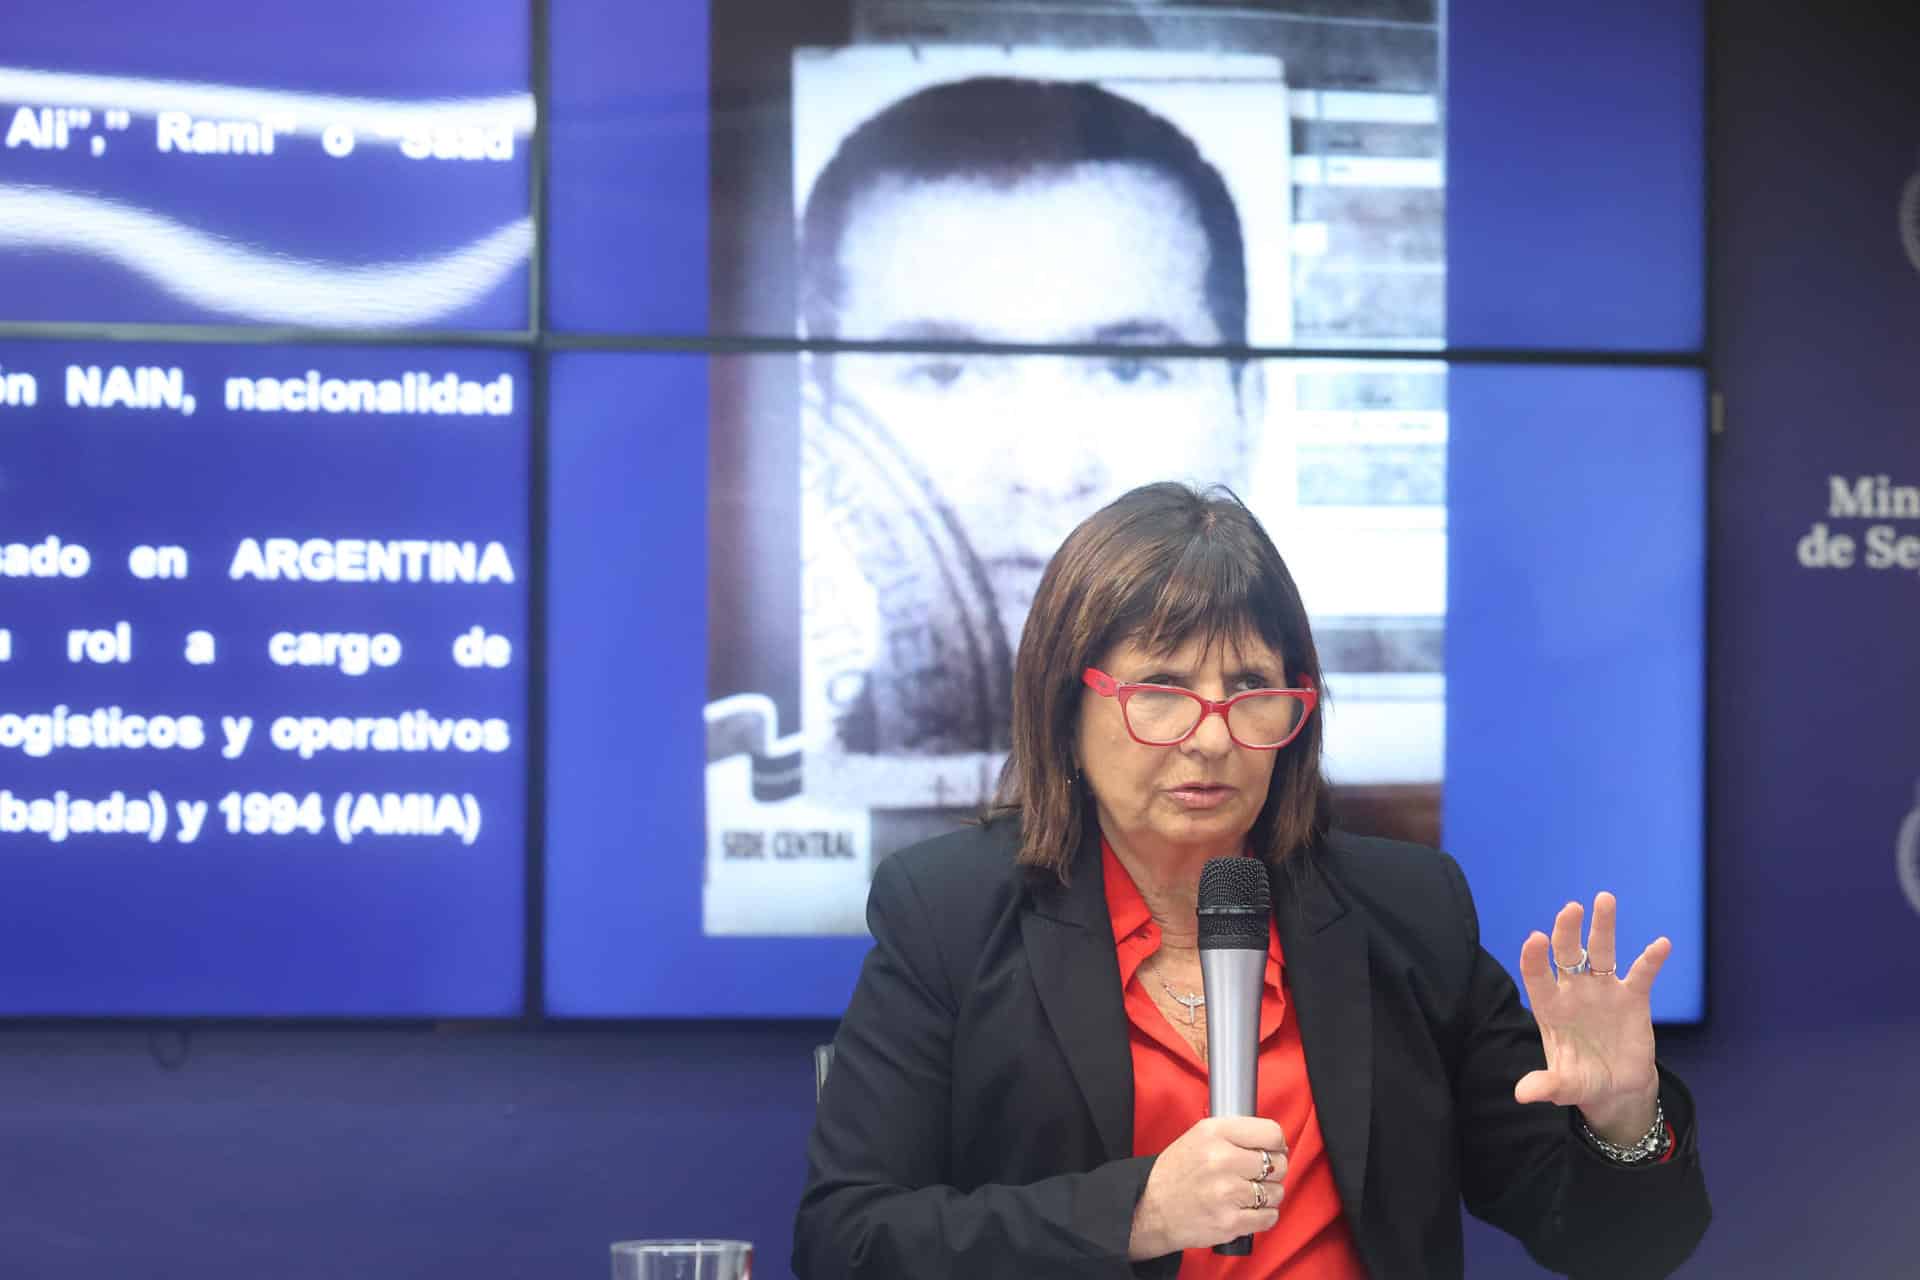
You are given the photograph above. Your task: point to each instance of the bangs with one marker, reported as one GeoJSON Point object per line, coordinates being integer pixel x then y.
{"type": "Point", "coordinates": [1206, 590]}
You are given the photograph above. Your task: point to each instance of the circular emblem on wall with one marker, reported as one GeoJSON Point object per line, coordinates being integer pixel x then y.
{"type": "Point", "coordinates": [1910, 220]}
{"type": "Point", "coordinates": [1906, 854]}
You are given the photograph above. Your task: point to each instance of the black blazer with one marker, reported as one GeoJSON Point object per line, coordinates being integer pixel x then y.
{"type": "Point", "coordinates": [978, 1120]}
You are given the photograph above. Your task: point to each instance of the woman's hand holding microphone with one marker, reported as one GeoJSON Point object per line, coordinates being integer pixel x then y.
{"type": "Point", "coordinates": [1218, 1181]}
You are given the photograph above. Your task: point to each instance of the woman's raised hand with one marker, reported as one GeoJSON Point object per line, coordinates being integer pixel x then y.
{"type": "Point", "coordinates": [1595, 1024]}
{"type": "Point", "coordinates": [1209, 1186]}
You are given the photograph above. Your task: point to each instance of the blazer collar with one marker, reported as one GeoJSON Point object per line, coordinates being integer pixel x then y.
{"type": "Point", "coordinates": [1326, 949]}
{"type": "Point", "coordinates": [1069, 941]}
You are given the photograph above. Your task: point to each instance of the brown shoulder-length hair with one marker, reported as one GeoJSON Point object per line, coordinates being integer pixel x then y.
{"type": "Point", "coordinates": [1160, 566]}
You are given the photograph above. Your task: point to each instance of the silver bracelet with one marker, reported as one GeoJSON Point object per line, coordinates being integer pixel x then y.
{"type": "Point", "coordinates": [1650, 1147]}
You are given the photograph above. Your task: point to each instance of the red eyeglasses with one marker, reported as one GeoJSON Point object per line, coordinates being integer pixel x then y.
{"type": "Point", "coordinates": [1159, 715]}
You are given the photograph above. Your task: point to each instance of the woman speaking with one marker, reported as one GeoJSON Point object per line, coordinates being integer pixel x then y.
{"type": "Point", "coordinates": [1019, 1086]}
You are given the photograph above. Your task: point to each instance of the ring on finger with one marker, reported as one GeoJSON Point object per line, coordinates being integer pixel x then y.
{"type": "Point", "coordinates": [1259, 1196]}
{"type": "Point", "coordinates": [1603, 973]}
{"type": "Point", "coordinates": [1578, 966]}
{"type": "Point", "coordinates": [1266, 1167]}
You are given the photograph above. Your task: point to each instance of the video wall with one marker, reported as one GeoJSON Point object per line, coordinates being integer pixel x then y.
{"type": "Point", "coordinates": [422, 496]}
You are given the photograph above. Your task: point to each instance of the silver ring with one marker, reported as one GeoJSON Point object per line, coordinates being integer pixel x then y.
{"type": "Point", "coordinates": [1266, 1167]}
{"type": "Point", "coordinates": [1259, 1196]}
{"type": "Point", "coordinates": [1578, 966]}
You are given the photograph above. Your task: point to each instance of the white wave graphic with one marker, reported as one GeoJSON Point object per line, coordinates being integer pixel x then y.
{"type": "Point", "coordinates": [253, 284]}
{"type": "Point", "coordinates": [304, 113]}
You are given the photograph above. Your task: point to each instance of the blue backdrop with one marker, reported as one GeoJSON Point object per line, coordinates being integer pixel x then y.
{"type": "Point", "coordinates": [421, 1152]}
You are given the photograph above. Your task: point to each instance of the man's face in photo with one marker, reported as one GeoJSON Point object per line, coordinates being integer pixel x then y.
{"type": "Point", "coordinates": [1023, 447]}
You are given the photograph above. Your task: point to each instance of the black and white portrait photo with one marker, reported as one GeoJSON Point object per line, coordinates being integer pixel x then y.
{"type": "Point", "coordinates": [1030, 251]}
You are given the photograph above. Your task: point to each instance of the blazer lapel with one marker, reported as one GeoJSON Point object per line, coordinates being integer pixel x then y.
{"type": "Point", "coordinates": [1069, 943]}
{"type": "Point", "coordinates": [1326, 959]}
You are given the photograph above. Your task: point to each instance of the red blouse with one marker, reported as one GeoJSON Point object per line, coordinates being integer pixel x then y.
{"type": "Point", "coordinates": [1311, 1241]}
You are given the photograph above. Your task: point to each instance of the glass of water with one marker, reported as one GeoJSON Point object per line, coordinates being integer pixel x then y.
{"type": "Point", "coordinates": [682, 1260]}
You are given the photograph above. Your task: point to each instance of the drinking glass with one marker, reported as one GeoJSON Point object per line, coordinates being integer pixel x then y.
{"type": "Point", "coordinates": [682, 1260]}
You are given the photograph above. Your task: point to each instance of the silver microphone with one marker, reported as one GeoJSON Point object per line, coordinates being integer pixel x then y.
{"type": "Point", "coordinates": [1235, 906]}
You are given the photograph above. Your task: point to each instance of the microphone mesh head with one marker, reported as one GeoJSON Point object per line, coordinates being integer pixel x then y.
{"type": "Point", "coordinates": [1235, 902]}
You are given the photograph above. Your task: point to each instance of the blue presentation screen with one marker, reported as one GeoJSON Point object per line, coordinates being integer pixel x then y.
{"type": "Point", "coordinates": [263, 627]}
{"type": "Point", "coordinates": [266, 615]}
{"type": "Point", "coordinates": [723, 166]}
{"type": "Point", "coordinates": [1576, 655]}
{"type": "Point", "coordinates": [627, 143]}
{"type": "Point", "coordinates": [756, 592]}
{"type": "Point", "coordinates": [1486, 173]}
{"type": "Point", "coordinates": [349, 164]}
{"type": "Point", "coordinates": [1576, 175]}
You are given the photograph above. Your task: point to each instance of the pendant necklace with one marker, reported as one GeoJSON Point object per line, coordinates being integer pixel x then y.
{"type": "Point", "coordinates": [1190, 1002]}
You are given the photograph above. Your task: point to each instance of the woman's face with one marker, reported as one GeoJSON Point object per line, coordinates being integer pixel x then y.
{"type": "Point", "coordinates": [1207, 790]}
